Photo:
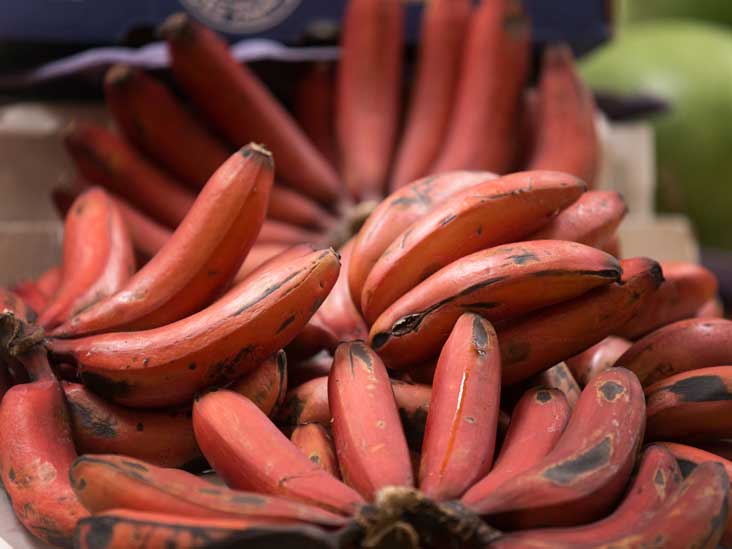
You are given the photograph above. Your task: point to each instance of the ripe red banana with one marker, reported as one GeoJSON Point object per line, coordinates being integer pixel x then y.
{"type": "Point", "coordinates": [656, 481]}
{"type": "Point", "coordinates": [313, 440]}
{"type": "Point", "coordinates": [152, 118]}
{"type": "Point", "coordinates": [484, 124]}
{"type": "Point", "coordinates": [691, 405]}
{"type": "Point", "coordinates": [125, 529]}
{"type": "Point", "coordinates": [537, 422]}
{"type": "Point", "coordinates": [396, 213]}
{"type": "Point", "coordinates": [36, 451]}
{"type": "Point", "coordinates": [497, 283]}
{"type": "Point", "coordinates": [97, 257]}
{"type": "Point", "coordinates": [539, 340]}
{"type": "Point", "coordinates": [314, 108]}
{"type": "Point", "coordinates": [289, 206]}
{"type": "Point", "coordinates": [250, 453]}
{"type": "Point", "coordinates": [104, 482]}
{"type": "Point", "coordinates": [585, 473]}
{"type": "Point", "coordinates": [168, 365]}
{"type": "Point", "coordinates": [242, 108]}
{"type": "Point", "coordinates": [443, 27]}
{"type": "Point", "coordinates": [105, 159]}
{"type": "Point", "coordinates": [371, 446]}
{"type": "Point", "coordinates": [485, 215]}
{"type": "Point", "coordinates": [686, 288]}
{"type": "Point", "coordinates": [679, 347]}
{"type": "Point", "coordinates": [566, 138]}
{"type": "Point", "coordinates": [201, 258]}
{"type": "Point", "coordinates": [597, 358]}
{"type": "Point", "coordinates": [592, 220]}
{"type": "Point", "coordinates": [460, 434]}
{"type": "Point", "coordinates": [368, 93]}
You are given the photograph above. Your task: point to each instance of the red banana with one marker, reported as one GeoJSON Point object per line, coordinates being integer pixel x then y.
{"type": "Point", "coordinates": [242, 108]}
{"type": "Point", "coordinates": [371, 446]}
{"type": "Point", "coordinates": [250, 453]}
{"type": "Point", "coordinates": [266, 385]}
{"type": "Point", "coordinates": [460, 434]}
{"type": "Point", "coordinates": [443, 27]}
{"type": "Point", "coordinates": [199, 261]}
{"type": "Point", "coordinates": [597, 358]}
{"type": "Point", "coordinates": [560, 377]}
{"type": "Point", "coordinates": [368, 93]}
{"type": "Point", "coordinates": [152, 118]}
{"type": "Point", "coordinates": [315, 442]}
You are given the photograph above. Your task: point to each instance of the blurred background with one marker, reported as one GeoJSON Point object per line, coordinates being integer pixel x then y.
{"type": "Point", "coordinates": [661, 71]}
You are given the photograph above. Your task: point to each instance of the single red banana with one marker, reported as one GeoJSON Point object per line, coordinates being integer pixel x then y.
{"type": "Point", "coordinates": [539, 340]}
{"type": "Point", "coordinates": [586, 471]}
{"type": "Point", "coordinates": [679, 347]}
{"type": "Point", "coordinates": [242, 108]}
{"type": "Point", "coordinates": [537, 422]}
{"type": "Point", "coordinates": [592, 219]}
{"type": "Point", "coordinates": [152, 118]}
{"type": "Point", "coordinates": [104, 482]}
{"type": "Point", "coordinates": [199, 261]}
{"type": "Point", "coordinates": [597, 358]}
{"type": "Point", "coordinates": [36, 451]}
{"type": "Point", "coordinates": [443, 27]}
{"type": "Point", "coordinates": [105, 159]}
{"type": "Point", "coordinates": [315, 442]}
{"type": "Point", "coordinates": [97, 257]}
{"type": "Point", "coordinates": [460, 435]}
{"type": "Point", "coordinates": [484, 125]}
{"type": "Point", "coordinates": [166, 366]}
{"type": "Point", "coordinates": [566, 137]}
{"type": "Point", "coordinates": [396, 213]}
{"type": "Point", "coordinates": [485, 215]}
{"type": "Point", "coordinates": [685, 289]}
{"type": "Point", "coordinates": [125, 529]}
{"type": "Point", "coordinates": [497, 283]}
{"type": "Point", "coordinates": [250, 453]}
{"type": "Point", "coordinates": [371, 446]}
{"type": "Point", "coordinates": [656, 481]}
{"type": "Point", "coordinates": [691, 405]}
{"type": "Point", "coordinates": [315, 108]}
{"type": "Point", "coordinates": [368, 93]}
{"type": "Point", "coordinates": [290, 206]}
{"type": "Point", "coordinates": [338, 312]}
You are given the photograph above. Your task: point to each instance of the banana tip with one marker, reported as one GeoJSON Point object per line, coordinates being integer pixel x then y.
{"type": "Point", "coordinates": [175, 26]}
{"type": "Point", "coordinates": [258, 150]}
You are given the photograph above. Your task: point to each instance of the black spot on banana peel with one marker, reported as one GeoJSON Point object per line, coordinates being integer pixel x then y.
{"type": "Point", "coordinates": [572, 469]}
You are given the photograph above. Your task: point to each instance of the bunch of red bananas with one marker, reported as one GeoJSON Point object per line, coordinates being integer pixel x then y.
{"type": "Point", "coordinates": [476, 368]}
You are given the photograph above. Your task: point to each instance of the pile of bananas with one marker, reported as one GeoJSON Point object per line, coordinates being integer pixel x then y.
{"type": "Point", "coordinates": [475, 368]}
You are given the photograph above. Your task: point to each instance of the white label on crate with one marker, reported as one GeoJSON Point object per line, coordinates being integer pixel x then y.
{"type": "Point", "coordinates": [241, 16]}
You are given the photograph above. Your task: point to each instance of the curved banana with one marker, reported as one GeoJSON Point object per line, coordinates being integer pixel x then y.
{"type": "Point", "coordinates": [497, 283]}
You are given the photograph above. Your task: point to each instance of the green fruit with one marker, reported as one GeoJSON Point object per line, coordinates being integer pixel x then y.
{"type": "Point", "coordinates": [714, 11]}
{"type": "Point", "coordinates": [688, 64]}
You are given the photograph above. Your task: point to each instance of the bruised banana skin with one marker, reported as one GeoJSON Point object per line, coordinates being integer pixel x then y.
{"type": "Point", "coordinates": [679, 347]}
{"type": "Point", "coordinates": [585, 473]}
{"type": "Point", "coordinates": [315, 442]}
{"type": "Point", "coordinates": [488, 214]}
{"type": "Point", "coordinates": [36, 451]}
{"type": "Point", "coordinates": [657, 480]}
{"type": "Point", "coordinates": [396, 213]}
{"type": "Point", "coordinates": [597, 358]}
{"type": "Point", "coordinates": [560, 377]}
{"type": "Point", "coordinates": [537, 422]}
{"type": "Point", "coordinates": [199, 260]}
{"type": "Point", "coordinates": [104, 482]}
{"type": "Point", "coordinates": [97, 257]}
{"type": "Point", "coordinates": [497, 283]}
{"type": "Point", "coordinates": [685, 289]}
{"type": "Point", "coordinates": [371, 446]}
{"type": "Point", "coordinates": [541, 339]}
{"type": "Point", "coordinates": [691, 405]}
{"type": "Point", "coordinates": [592, 220]}
{"type": "Point", "coordinates": [152, 118]}
{"type": "Point", "coordinates": [125, 529]}
{"type": "Point", "coordinates": [250, 453]}
{"type": "Point", "coordinates": [241, 107]}
{"type": "Point", "coordinates": [460, 434]}
{"type": "Point", "coordinates": [166, 366]}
